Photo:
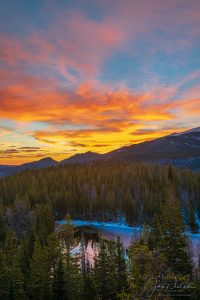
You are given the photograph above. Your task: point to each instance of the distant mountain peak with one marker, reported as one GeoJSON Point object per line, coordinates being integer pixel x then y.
{"type": "Point", "coordinates": [47, 159]}
{"type": "Point", "coordinates": [38, 164]}
{"type": "Point", "coordinates": [181, 149]}
{"type": "Point", "coordinates": [90, 152]}
{"type": "Point", "coordinates": [82, 158]}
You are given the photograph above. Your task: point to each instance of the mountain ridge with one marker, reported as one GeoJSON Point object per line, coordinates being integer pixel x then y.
{"type": "Point", "coordinates": [41, 163]}
{"type": "Point", "coordinates": [179, 149]}
{"type": "Point", "coordinates": [81, 157]}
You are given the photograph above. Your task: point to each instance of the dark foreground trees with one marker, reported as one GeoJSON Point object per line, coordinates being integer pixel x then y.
{"type": "Point", "coordinates": [55, 274]}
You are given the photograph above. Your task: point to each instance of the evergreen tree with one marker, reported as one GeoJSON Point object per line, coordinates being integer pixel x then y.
{"type": "Point", "coordinates": [154, 236]}
{"type": "Point", "coordinates": [105, 272]}
{"type": "Point", "coordinates": [168, 241]}
{"type": "Point", "coordinates": [59, 282]}
{"type": "Point", "coordinates": [16, 287]}
{"type": "Point", "coordinates": [14, 274]}
{"type": "Point", "coordinates": [25, 261]}
{"type": "Point", "coordinates": [39, 273]}
{"type": "Point", "coordinates": [2, 226]}
{"type": "Point", "coordinates": [89, 288]}
{"type": "Point", "coordinates": [3, 276]}
{"type": "Point", "coordinates": [191, 219]}
{"type": "Point", "coordinates": [44, 222]}
{"type": "Point", "coordinates": [173, 243]}
{"type": "Point", "coordinates": [141, 261]}
{"type": "Point", "coordinates": [72, 277]}
{"type": "Point", "coordinates": [196, 290]}
{"type": "Point", "coordinates": [53, 252]}
{"type": "Point", "coordinates": [67, 232]}
{"type": "Point", "coordinates": [121, 269]}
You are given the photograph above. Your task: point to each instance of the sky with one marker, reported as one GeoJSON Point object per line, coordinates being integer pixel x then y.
{"type": "Point", "coordinates": [95, 75]}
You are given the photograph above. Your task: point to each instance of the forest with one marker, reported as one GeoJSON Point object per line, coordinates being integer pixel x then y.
{"type": "Point", "coordinates": [36, 261]}
{"type": "Point", "coordinates": [101, 191]}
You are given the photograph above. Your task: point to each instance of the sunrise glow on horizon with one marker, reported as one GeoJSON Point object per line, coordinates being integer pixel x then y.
{"type": "Point", "coordinates": [84, 75]}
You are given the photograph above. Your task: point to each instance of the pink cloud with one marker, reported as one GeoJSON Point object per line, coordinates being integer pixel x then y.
{"type": "Point", "coordinates": [74, 42]}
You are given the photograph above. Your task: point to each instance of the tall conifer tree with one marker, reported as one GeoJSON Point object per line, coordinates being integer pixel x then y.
{"type": "Point", "coordinates": [173, 242]}
{"type": "Point", "coordinates": [13, 268]}
{"type": "Point", "coordinates": [39, 273]}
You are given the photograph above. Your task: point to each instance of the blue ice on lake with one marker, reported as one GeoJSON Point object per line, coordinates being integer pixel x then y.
{"type": "Point", "coordinates": [111, 231]}
{"type": "Point", "coordinates": [127, 234]}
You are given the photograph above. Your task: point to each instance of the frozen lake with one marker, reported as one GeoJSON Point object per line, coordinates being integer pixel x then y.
{"type": "Point", "coordinates": [127, 234]}
{"type": "Point", "coordinates": [111, 231]}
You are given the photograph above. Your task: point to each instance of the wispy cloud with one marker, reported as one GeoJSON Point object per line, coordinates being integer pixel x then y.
{"type": "Point", "coordinates": [58, 76]}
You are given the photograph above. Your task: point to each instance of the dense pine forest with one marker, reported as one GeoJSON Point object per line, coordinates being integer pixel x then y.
{"type": "Point", "coordinates": [101, 191]}
{"type": "Point", "coordinates": [36, 261]}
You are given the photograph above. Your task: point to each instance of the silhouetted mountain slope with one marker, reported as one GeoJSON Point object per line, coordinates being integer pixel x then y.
{"type": "Point", "coordinates": [82, 158]}
{"type": "Point", "coordinates": [174, 144]}
{"type": "Point", "coordinates": [45, 162]}
{"type": "Point", "coordinates": [179, 149]}
{"type": "Point", "coordinates": [174, 148]}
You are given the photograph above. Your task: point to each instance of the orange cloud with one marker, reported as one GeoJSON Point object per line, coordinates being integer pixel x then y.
{"type": "Point", "coordinates": [50, 76]}
{"type": "Point", "coordinates": [96, 108]}
{"type": "Point", "coordinates": [108, 117]}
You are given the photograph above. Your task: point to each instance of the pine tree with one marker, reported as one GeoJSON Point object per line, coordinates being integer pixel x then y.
{"type": "Point", "coordinates": [121, 269]}
{"type": "Point", "coordinates": [112, 269]}
{"type": "Point", "coordinates": [105, 272]}
{"type": "Point", "coordinates": [3, 276]}
{"type": "Point", "coordinates": [168, 242]}
{"type": "Point", "coordinates": [25, 261]}
{"type": "Point", "coordinates": [72, 277]}
{"type": "Point", "coordinates": [2, 226]}
{"type": "Point", "coordinates": [67, 232]}
{"type": "Point", "coordinates": [141, 262]}
{"type": "Point", "coordinates": [40, 273]}
{"type": "Point", "coordinates": [191, 219]}
{"type": "Point", "coordinates": [154, 236]}
{"type": "Point", "coordinates": [89, 288]}
{"type": "Point", "coordinates": [14, 273]}
{"type": "Point", "coordinates": [53, 252]}
{"type": "Point", "coordinates": [83, 265]}
{"type": "Point", "coordinates": [196, 281]}
{"type": "Point", "coordinates": [59, 282]}
{"type": "Point", "coordinates": [173, 242]}
{"type": "Point", "coordinates": [16, 280]}
{"type": "Point", "coordinates": [44, 222]}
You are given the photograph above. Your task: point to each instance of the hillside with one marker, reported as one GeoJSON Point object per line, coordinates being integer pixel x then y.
{"type": "Point", "coordinates": [179, 149]}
